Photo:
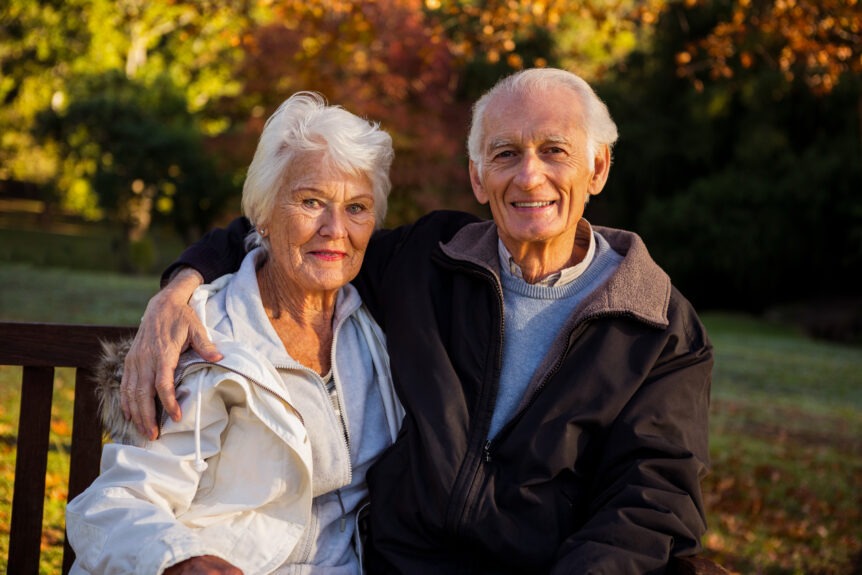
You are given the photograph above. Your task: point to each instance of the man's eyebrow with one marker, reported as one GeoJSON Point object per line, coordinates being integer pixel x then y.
{"type": "Point", "coordinates": [549, 139]}
{"type": "Point", "coordinates": [499, 143]}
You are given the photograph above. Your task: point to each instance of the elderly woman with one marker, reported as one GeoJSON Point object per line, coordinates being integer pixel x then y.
{"type": "Point", "coordinates": [265, 471]}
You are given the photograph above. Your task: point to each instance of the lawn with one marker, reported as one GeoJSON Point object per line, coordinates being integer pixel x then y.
{"type": "Point", "coordinates": [785, 494]}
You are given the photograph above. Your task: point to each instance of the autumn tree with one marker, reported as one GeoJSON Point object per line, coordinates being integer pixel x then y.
{"type": "Point", "coordinates": [497, 37]}
{"type": "Point", "coordinates": [817, 42]}
{"type": "Point", "coordinates": [741, 169]}
{"type": "Point", "coordinates": [85, 82]}
{"type": "Point", "coordinates": [384, 60]}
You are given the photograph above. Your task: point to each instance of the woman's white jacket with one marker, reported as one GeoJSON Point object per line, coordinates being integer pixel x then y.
{"type": "Point", "coordinates": [217, 482]}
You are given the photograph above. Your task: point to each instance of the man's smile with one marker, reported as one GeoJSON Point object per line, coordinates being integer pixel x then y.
{"type": "Point", "coordinates": [533, 204]}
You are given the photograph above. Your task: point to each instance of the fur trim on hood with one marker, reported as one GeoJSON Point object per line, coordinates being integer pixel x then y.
{"type": "Point", "coordinates": [108, 376]}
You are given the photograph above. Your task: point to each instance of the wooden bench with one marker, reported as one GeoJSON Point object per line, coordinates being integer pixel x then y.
{"type": "Point", "coordinates": [40, 348]}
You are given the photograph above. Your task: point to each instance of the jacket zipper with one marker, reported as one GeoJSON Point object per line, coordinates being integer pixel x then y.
{"type": "Point", "coordinates": [338, 398]}
{"type": "Point", "coordinates": [462, 501]}
{"type": "Point", "coordinates": [345, 432]}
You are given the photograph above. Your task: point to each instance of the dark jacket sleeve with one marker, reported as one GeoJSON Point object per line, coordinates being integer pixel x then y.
{"type": "Point", "coordinates": [647, 504]}
{"type": "Point", "coordinates": [436, 227]}
{"type": "Point", "coordinates": [218, 253]}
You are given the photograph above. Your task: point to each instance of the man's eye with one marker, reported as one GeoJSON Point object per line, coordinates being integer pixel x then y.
{"type": "Point", "coordinates": [505, 154]}
{"type": "Point", "coordinates": [555, 150]}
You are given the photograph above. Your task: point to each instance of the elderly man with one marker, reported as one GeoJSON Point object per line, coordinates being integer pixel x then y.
{"type": "Point", "coordinates": [556, 384]}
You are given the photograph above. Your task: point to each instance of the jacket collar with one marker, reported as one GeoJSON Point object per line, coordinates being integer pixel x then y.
{"type": "Point", "coordinates": [639, 288]}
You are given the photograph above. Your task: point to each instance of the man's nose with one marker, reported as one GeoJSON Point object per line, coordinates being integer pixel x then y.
{"type": "Point", "coordinates": [530, 171]}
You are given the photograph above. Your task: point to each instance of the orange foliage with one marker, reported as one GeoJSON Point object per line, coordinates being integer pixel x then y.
{"type": "Point", "coordinates": [816, 40]}
{"type": "Point", "coordinates": [494, 30]}
{"type": "Point", "coordinates": [385, 60]}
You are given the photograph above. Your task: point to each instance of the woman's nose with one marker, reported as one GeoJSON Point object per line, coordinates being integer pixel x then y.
{"type": "Point", "coordinates": [334, 224]}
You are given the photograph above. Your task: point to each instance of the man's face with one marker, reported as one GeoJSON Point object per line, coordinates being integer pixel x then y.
{"type": "Point", "coordinates": [536, 173]}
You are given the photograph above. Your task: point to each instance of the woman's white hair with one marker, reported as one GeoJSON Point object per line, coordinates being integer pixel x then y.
{"type": "Point", "coordinates": [305, 123]}
{"type": "Point", "coordinates": [598, 124]}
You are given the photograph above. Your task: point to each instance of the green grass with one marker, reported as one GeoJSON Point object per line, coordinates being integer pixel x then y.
{"type": "Point", "coordinates": [28, 293]}
{"type": "Point", "coordinates": [79, 246]}
{"type": "Point", "coordinates": [784, 497]}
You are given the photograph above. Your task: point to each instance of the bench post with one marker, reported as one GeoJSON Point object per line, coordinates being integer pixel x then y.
{"type": "Point", "coordinates": [31, 465]}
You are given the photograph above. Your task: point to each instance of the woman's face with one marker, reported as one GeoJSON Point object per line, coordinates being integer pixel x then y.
{"type": "Point", "coordinates": [320, 225]}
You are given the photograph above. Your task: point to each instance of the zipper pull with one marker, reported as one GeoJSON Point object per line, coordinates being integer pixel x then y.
{"type": "Point", "coordinates": [487, 451]}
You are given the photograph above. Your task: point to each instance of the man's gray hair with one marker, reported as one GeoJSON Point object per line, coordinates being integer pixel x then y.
{"type": "Point", "coordinates": [305, 123]}
{"type": "Point", "coordinates": [598, 124]}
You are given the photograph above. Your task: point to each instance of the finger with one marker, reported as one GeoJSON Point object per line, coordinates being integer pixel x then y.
{"type": "Point", "coordinates": [144, 410]}
{"type": "Point", "coordinates": [135, 411]}
{"type": "Point", "coordinates": [132, 387]}
{"type": "Point", "coordinates": [127, 384]}
{"type": "Point", "coordinates": [201, 343]}
{"type": "Point", "coordinates": [165, 387]}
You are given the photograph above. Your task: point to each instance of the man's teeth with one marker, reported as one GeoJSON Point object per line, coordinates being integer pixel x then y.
{"type": "Point", "coordinates": [532, 204]}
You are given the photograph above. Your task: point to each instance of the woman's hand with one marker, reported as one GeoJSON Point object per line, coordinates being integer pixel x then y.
{"type": "Point", "coordinates": [203, 565]}
{"type": "Point", "coordinates": [168, 328]}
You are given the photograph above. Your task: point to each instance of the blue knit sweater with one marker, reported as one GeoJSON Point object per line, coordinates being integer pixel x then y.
{"type": "Point", "coordinates": [534, 316]}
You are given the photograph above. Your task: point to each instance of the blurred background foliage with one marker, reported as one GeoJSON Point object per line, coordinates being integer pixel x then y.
{"type": "Point", "coordinates": [740, 157]}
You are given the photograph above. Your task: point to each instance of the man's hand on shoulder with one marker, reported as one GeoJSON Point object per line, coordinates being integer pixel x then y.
{"type": "Point", "coordinates": [168, 328]}
{"type": "Point", "coordinates": [204, 565]}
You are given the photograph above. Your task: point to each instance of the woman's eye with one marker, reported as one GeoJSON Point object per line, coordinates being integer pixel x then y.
{"type": "Point", "coordinates": [354, 209]}
{"type": "Point", "coordinates": [311, 203]}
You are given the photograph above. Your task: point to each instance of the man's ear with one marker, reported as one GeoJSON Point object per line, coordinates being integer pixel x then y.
{"type": "Point", "coordinates": [476, 182]}
{"type": "Point", "coordinates": [601, 169]}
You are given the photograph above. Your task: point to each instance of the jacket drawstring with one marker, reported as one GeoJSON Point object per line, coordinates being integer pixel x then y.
{"type": "Point", "coordinates": [199, 464]}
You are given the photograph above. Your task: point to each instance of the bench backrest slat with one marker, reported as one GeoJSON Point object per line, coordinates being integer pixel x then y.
{"type": "Point", "coordinates": [39, 348]}
{"type": "Point", "coordinates": [31, 464]}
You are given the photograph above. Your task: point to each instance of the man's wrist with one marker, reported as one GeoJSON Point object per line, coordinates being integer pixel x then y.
{"type": "Point", "coordinates": [182, 284]}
